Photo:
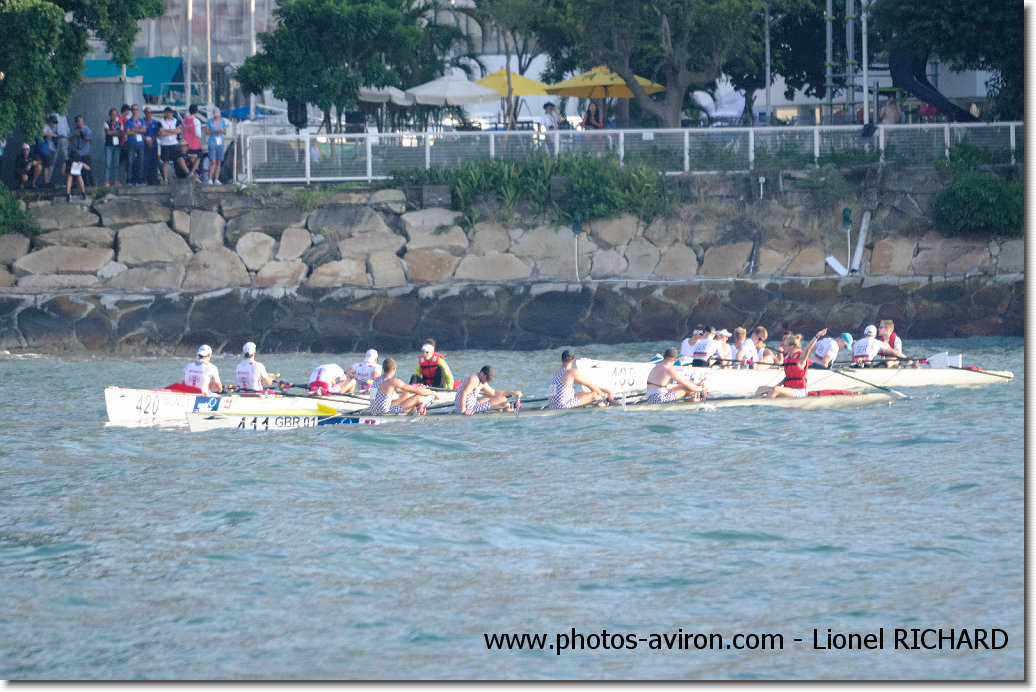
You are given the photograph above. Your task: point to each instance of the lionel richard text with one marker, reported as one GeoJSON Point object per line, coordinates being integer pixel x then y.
{"type": "Point", "coordinates": [911, 638]}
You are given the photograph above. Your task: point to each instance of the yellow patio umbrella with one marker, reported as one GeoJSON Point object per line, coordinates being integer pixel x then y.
{"type": "Point", "coordinates": [520, 86]}
{"type": "Point", "coordinates": [598, 83]}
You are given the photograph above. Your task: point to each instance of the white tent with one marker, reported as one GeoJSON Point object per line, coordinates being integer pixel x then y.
{"type": "Point", "coordinates": [452, 91]}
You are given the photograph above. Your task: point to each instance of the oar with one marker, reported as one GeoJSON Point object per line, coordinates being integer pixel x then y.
{"type": "Point", "coordinates": [984, 372]}
{"type": "Point", "coordinates": [898, 394]}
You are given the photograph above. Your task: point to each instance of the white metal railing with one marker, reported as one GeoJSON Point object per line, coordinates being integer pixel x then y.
{"type": "Point", "coordinates": [308, 158]}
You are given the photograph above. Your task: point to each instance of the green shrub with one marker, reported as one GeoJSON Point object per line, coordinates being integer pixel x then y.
{"type": "Point", "coordinates": [12, 218]}
{"type": "Point", "coordinates": [980, 203]}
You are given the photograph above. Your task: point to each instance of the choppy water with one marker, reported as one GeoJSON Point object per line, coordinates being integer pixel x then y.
{"type": "Point", "coordinates": [391, 552]}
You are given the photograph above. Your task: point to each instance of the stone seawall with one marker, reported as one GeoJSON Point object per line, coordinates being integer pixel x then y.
{"type": "Point", "coordinates": [158, 270]}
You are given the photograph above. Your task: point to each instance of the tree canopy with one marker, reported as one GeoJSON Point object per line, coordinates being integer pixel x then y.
{"type": "Point", "coordinates": [969, 34]}
{"type": "Point", "coordinates": [323, 51]}
{"type": "Point", "coordinates": [42, 51]}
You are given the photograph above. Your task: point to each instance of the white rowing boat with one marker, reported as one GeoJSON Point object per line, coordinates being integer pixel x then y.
{"type": "Point", "coordinates": [142, 407]}
{"type": "Point", "coordinates": [200, 421]}
{"type": "Point", "coordinates": [623, 377]}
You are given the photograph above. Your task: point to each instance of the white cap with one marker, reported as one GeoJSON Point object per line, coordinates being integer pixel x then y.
{"type": "Point", "coordinates": [722, 332]}
{"type": "Point", "coordinates": [871, 330]}
{"type": "Point", "coordinates": [428, 348]}
{"type": "Point", "coordinates": [372, 356]}
{"type": "Point", "coordinates": [248, 349]}
{"type": "Point", "coordinates": [204, 350]}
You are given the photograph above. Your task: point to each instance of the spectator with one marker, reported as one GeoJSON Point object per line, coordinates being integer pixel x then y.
{"type": "Point", "coordinates": [216, 129]}
{"type": "Point", "coordinates": [60, 151]}
{"type": "Point", "coordinates": [168, 136]}
{"type": "Point", "coordinates": [74, 172]}
{"type": "Point", "coordinates": [134, 132]}
{"type": "Point", "coordinates": [113, 136]}
{"type": "Point", "coordinates": [124, 115]}
{"type": "Point", "coordinates": [192, 127]}
{"type": "Point", "coordinates": [79, 144]}
{"type": "Point", "coordinates": [48, 148]}
{"type": "Point", "coordinates": [890, 114]}
{"type": "Point", "coordinates": [151, 128]}
{"type": "Point", "coordinates": [27, 164]}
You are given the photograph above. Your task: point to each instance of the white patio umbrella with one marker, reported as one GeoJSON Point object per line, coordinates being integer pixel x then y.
{"type": "Point", "coordinates": [386, 94]}
{"type": "Point", "coordinates": [452, 91]}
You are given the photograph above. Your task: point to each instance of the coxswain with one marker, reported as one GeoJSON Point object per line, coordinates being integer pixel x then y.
{"type": "Point", "coordinates": [468, 401]}
{"type": "Point", "coordinates": [360, 375]}
{"type": "Point", "coordinates": [201, 374]}
{"type": "Point", "coordinates": [865, 349]}
{"type": "Point", "coordinates": [432, 370]}
{"type": "Point", "coordinates": [327, 379]}
{"type": "Point", "coordinates": [562, 393]}
{"type": "Point", "coordinates": [250, 375]}
{"type": "Point", "coordinates": [796, 363]}
{"type": "Point", "coordinates": [386, 390]}
{"type": "Point", "coordinates": [666, 383]}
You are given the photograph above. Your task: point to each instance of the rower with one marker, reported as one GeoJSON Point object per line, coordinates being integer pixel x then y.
{"type": "Point", "coordinates": [327, 379]}
{"type": "Point", "coordinates": [887, 334]}
{"type": "Point", "coordinates": [467, 401]}
{"type": "Point", "coordinates": [251, 376]}
{"type": "Point", "coordinates": [704, 352]}
{"type": "Point", "coordinates": [663, 375]}
{"type": "Point", "coordinates": [562, 394]}
{"type": "Point", "coordinates": [724, 352]}
{"type": "Point", "coordinates": [360, 375]}
{"type": "Point", "coordinates": [796, 363]}
{"type": "Point", "coordinates": [869, 346]}
{"type": "Point", "coordinates": [432, 370]}
{"type": "Point", "coordinates": [827, 349]}
{"type": "Point", "coordinates": [202, 375]}
{"type": "Point", "coordinates": [386, 389]}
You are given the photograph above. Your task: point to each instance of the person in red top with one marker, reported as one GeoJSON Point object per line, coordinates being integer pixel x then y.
{"type": "Point", "coordinates": [432, 370]}
{"type": "Point", "coordinates": [887, 334]}
{"type": "Point", "coordinates": [796, 362]}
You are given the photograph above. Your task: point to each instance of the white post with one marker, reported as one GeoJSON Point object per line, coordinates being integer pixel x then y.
{"type": "Point", "coordinates": [1013, 144]}
{"type": "Point", "coordinates": [370, 157]}
{"type": "Point", "coordinates": [492, 146]}
{"type": "Point", "coordinates": [816, 145]}
{"type": "Point", "coordinates": [208, 55]}
{"type": "Point", "coordinates": [687, 150]}
{"type": "Point", "coordinates": [881, 141]}
{"type": "Point", "coordinates": [427, 150]}
{"type": "Point", "coordinates": [866, 84]}
{"type": "Point", "coordinates": [251, 34]}
{"type": "Point", "coordinates": [190, 52]}
{"type": "Point", "coordinates": [306, 156]}
{"type": "Point", "coordinates": [766, 15]}
{"type": "Point", "coordinates": [622, 146]}
{"type": "Point", "coordinates": [751, 149]}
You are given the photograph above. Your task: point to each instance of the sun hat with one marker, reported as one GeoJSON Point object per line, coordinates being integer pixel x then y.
{"type": "Point", "coordinates": [248, 349]}
{"type": "Point", "coordinates": [26, 146]}
{"type": "Point", "coordinates": [428, 348]}
{"type": "Point", "coordinates": [848, 339]}
{"type": "Point", "coordinates": [871, 330]}
{"type": "Point", "coordinates": [722, 332]}
{"type": "Point", "coordinates": [372, 356]}
{"type": "Point", "coordinates": [204, 350]}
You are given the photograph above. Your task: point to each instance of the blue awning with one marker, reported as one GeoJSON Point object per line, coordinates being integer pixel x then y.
{"type": "Point", "coordinates": [158, 73]}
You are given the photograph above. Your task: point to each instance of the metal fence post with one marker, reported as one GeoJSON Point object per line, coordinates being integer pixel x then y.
{"type": "Point", "coordinates": [881, 142]}
{"type": "Point", "coordinates": [305, 155]}
{"type": "Point", "coordinates": [946, 130]}
{"type": "Point", "coordinates": [370, 156]}
{"type": "Point", "coordinates": [1013, 144]}
{"type": "Point", "coordinates": [622, 147]}
{"type": "Point", "coordinates": [751, 149]}
{"type": "Point", "coordinates": [492, 145]}
{"type": "Point", "coordinates": [248, 157]}
{"type": "Point", "coordinates": [686, 151]}
{"type": "Point", "coordinates": [427, 151]}
{"type": "Point", "coordinates": [816, 145]}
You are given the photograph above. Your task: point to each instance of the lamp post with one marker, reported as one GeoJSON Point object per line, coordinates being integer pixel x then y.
{"type": "Point", "coordinates": [190, 52]}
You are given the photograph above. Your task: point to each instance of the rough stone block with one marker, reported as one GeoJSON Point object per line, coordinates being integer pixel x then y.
{"type": "Point", "coordinates": [167, 278]}
{"type": "Point", "coordinates": [612, 233]}
{"type": "Point", "coordinates": [489, 237]}
{"type": "Point", "coordinates": [952, 260]}
{"type": "Point", "coordinates": [363, 244]}
{"type": "Point", "coordinates": [151, 243]}
{"type": "Point", "coordinates": [271, 220]}
{"type": "Point", "coordinates": [388, 201]}
{"type": "Point", "coordinates": [88, 236]}
{"type": "Point", "coordinates": [345, 272]}
{"type": "Point", "coordinates": [546, 242]}
{"type": "Point", "coordinates": [726, 260]}
{"type": "Point", "coordinates": [494, 268]}
{"type": "Point", "coordinates": [809, 262]}
{"type": "Point", "coordinates": [426, 221]}
{"type": "Point", "coordinates": [54, 217]}
{"type": "Point", "coordinates": [1009, 259]}
{"type": "Point", "coordinates": [607, 264]}
{"type": "Point", "coordinates": [119, 212]}
{"type": "Point", "coordinates": [13, 246]}
{"type": "Point", "coordinates": [206, 230]}
{"type": "Point", "coordinates": [255, 249]}
{"type": "Point", "coordinates": [59, 259]}
{"type": "Point", "coordinates": [217, 268]}
{"type": "Point", "coordinates": [386, 269]}
{"type": "Point", "coordinates": [294, 241]}
{"type": "Point", "coordinates": [182, 222]}
{"type": "Point", "coordinates": [642, 257]}
{"type": "Point", "coordinates": [57, 282]}
{"type": "Point", "coordinates": [677, 262]}
{"type": "Point", "coordinates": [6, 278]}
{"type": "Point", "coordinates": [429, 266]}
{"type": "Point", "coordinates": [436, 196]}
{"type": "Point", "coordinates": [337, 222]}
{"type": "Point", "coordinates": [771, 262]}
{"type": "Point", "coordinates": [891, 256]}
{"type": "Point", "coordinates": [451, 239]}
{"type": "Point", "coordinates": [277, 273]}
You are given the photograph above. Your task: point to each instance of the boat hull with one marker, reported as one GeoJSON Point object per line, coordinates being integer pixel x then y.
{"type": "Point", "coordinates": [623, 377]}
{"type": "Point", "coordinates": [145, 407]}
{"type": "Point", "coordinates": [201, 421]}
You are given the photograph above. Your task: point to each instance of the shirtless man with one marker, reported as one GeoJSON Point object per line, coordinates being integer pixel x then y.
{"type": "Point", "coordinates": [386, 390]}
{"type": "Point", "coordinates": [562, 393]}
{"type": "Point", "coordinates": [665, 374]}
{"type": "Point", "coordinates": [467, 401]}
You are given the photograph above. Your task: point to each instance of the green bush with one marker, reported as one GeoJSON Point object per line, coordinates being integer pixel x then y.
{"type": "Point", "coordinates": [594, 185]}
{"type": "Point", "coordinates": [12, 218]}
{"type": "Point", "coordinates": [980, 203]}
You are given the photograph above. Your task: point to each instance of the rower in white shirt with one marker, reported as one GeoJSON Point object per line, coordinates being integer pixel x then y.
{"type": "Point", "coordinates": [201, 374]}
{"type": "Point", "coordinates": [250, 375]}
